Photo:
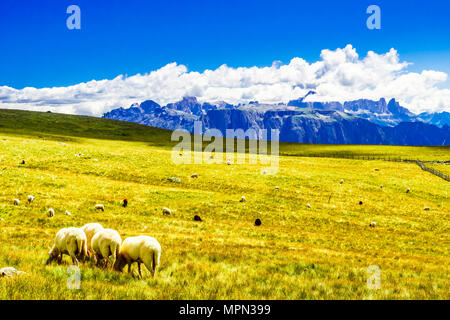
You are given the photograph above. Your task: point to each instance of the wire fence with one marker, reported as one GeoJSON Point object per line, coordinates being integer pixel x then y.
{"type": "Point", "coordinates": [367, 157]}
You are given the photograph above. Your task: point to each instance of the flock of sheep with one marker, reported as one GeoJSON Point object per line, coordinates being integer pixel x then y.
{"type": "Point", "coordinates": [102, 245]}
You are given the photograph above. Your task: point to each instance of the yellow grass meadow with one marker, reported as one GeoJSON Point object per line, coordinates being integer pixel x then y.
{"type": "Point", "coordinates": [321, 251]}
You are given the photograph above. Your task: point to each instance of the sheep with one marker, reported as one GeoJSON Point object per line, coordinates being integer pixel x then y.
{"type": "Point", "coordinates": [30, 198]}
{"type": "Point", "coordinates": [408, 190]}
{"type": "Point", "coordinates": [166, 210]}
{"type": "Point", "coordinates": [67, 213]}
{"type": "Point", "coordinates": [70, 241]}
{"type": "Point", "coordinates": [372, 224]}
{"type": "Point", "coordinates": [243, 199]}
{"type": "Point", "coordinates": [277, 188]}
{"type": "Point", "coordinates": [125, 203]}
{"type": "Point", "coordinates": [10, 272]}
{"type": "Point", "coordinates": [360, 202]}
{"type": "Point", "coordinates": [140, 249]}
{"type": "Point", "coordinates": [16, 202]}
{"type": "Point", "coordinates": [197, 218]}
{"type": "Point", "coordinates": [194, 175]}
{"type": "Point", "coordinates": [23, 162]}
{"type": "Point", "coordinates": [100, 207]}
{"type": "Point", "coordinates": [342, 181]}
{"type": "Point", "coordinates": [50, 213]}
{"type": "Point", "coordinates": [426, 208]}
{"type": "Point", "coordinates": [376, 169]}
{"type": "Point", "coordinates": [228, 162]}
{"type": "Point", "coordinates": [257, 222]}
{"type": "Point", "coordinates": [308, 205]}
{"type": "Point", "coordinates": [381, 186]}
{"type": "Point", "coordinates": [90, 230]}
{"type": "Point", "coordinates": [174, 179]}
{"type": "Point", "coordinates": [104, 244]}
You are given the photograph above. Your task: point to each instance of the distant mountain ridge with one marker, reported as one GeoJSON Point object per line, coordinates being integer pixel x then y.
{"type": "Point", "coordinates": [354, 122]}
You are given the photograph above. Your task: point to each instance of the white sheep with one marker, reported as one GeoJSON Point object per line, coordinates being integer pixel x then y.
{"type": "Point", "coordinates": [99, 207]}
{"type": "Point", "coordinates": [30, 198]}
{"type": "Point", "coordinates": [426, 208]}
{"type": "Point", "coordinates": [70, 241]}
{"type": "Point", "coordinates": [277, 188]}
{"type": "Point", "coordinates": [166, 210]}
{"type": "Point", "coordinates": [228, 162]}
{"type": "Point", "coordinates": [243, 199]}
{"type": "Point", "coordinates": [408, 190]}
{"type": "Point", "coordinates": [194, 175]}
{"type": "Point", "coordinates": [106, 243]}
{"type": "Point", "coordinates": [372, 224]}
{"type": "Point", "coordinates": [90, 230]}
{"type": "Point", "coordinates": [342, 181]}
{"type": "Point", "coordinates": [67, 213]}
{"type": "Point", "coordinates": [16, 202]}
{"type": "Point", "coordinates": [308, 205]}
{"type": "Point", "coordinates": [50, 212]}
{"type": "Point", "coordinates": [140, 249]}
{"type": "Point", "coordinates": [381, 186]}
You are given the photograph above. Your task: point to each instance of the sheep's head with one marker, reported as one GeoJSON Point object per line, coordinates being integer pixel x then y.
{"type": "Point", "coordinates": [52, 255]}
{"type": "Point", "coordinates": [120, 263]}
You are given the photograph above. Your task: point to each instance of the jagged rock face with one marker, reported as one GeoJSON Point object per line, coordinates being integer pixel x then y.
{"type": "Point", "coordinates": [363, 122]}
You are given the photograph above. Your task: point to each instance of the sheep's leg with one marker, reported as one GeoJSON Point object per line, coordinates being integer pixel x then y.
{"type": "Point", "coordinates": [139, 268]}
{"type": "Point", "coordinates": [75, 261]}
{"type": "Point", "coordinates": [129, 268]}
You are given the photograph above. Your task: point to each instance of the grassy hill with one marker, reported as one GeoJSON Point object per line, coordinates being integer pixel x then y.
{"type": "Point", "coordinates": [322, 252]}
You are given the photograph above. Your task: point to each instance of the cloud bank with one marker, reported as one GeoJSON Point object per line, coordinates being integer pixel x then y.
{"type": "Point", "coordinates": [339, 75]}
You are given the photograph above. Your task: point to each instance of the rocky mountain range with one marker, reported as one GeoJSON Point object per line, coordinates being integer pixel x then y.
{"type": "Point", "coordinates": [354, 122]}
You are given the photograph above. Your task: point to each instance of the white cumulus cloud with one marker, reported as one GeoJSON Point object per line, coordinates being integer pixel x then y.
{"type": "Point", "coordinates": [339, 75]}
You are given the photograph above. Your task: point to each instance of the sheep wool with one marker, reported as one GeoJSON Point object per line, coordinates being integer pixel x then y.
{"type": "Point", "coordinates": [70, 241]}
{"type": "Point", "coordinates": [106, 243]}
{"type": "Point", "coordinates": [139, 249]}
{"type": "Point", "coordinates": [90, 230]}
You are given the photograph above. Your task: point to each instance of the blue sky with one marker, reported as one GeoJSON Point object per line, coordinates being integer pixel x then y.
{"type": "Point", "coordinates": [130, 37]}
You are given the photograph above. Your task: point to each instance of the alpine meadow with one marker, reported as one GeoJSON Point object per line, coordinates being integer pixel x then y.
{"type": "Point", "coordinates": [316, 240]}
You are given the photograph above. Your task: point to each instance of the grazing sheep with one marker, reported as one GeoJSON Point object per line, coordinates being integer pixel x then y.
{"type": "Point", "coordinates": [243, 199]}
{"type": "Point", "coordinates": [342, 181]}
{"type": "Point", "coordinates": [372, 224]}
{"type": "Point", "coordinates": [90, 230]}
{"type": "Point", "coordinates": [381, 186]}
{"type": "Point", "coordinates": [30, 199]}
{"type": "Point", "coordinates": [67, 213]}
{"type": "Point", "coordinates": [100, 207]}
{"type": "Point", "coordinates": [197, 218]}
{"type": "Point", "coordinates": [50, 213]}
{"type": "Point", "coordinates": [194, 175]}
{"type": "Point", "coordinates": [166, 210]}
{"type": "Point", "coordinates": [257, 222]}
{"type": "Point", "coordinates": [106, 243]}
{"type": "Point", "coordinates": [426, 208]}
{"type": "Point", "coordinates": [16, 202]}
{"type": "Point", "coordinates": [124, 203]}
{"type": "Point", "coordinates": [70, 241]}
{"type": "Point", "coordinates": [277, 188]}
{"type": "Point", "coordinates": [228, 162]}
{"type": "Point", "coordinates": [408, 190]}
{"type": "Point", "coordinates": [141, 249]}
{"type": "Point", "coordinates": [308, 205]}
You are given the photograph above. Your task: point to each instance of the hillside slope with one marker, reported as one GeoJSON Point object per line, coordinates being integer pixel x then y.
{"type": "Point", "coordinates": [318, 252]}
